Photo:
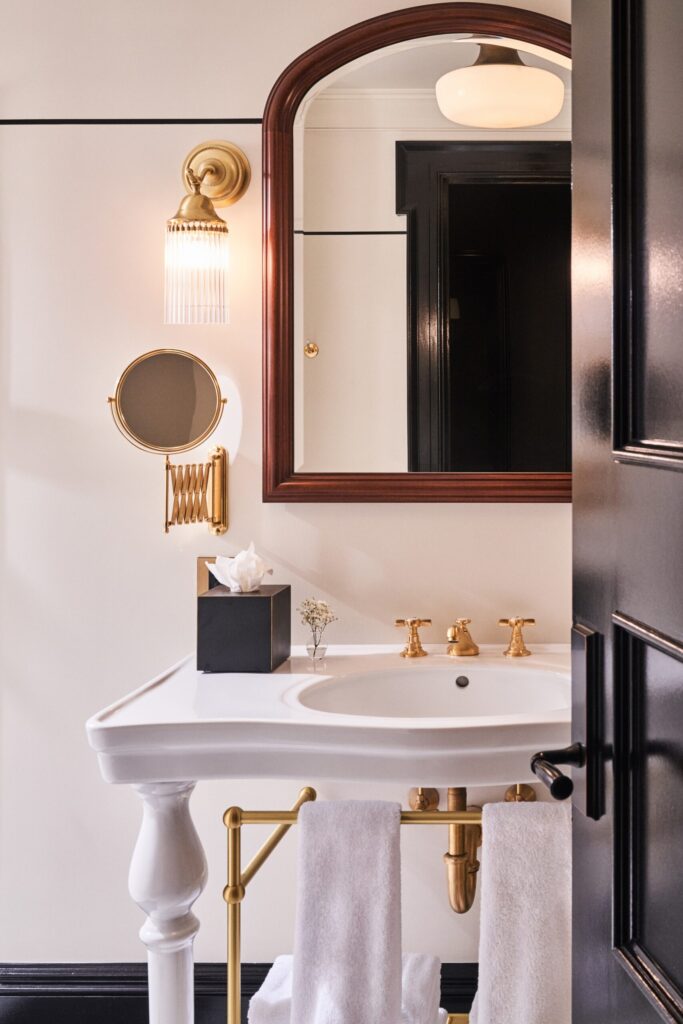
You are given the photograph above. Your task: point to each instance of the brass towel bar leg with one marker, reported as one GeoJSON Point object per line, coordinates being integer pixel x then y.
{"type": "Point", "coordinates": [306, 794]}
{"type": "Point", "coordinates": [233, 894]}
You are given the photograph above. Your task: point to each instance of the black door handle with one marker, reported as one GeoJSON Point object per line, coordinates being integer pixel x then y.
{"type": "Point", "coordinates": [543, 765]}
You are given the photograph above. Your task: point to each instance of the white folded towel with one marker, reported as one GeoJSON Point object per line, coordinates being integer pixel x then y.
{"type": "Point", "coordinates": [421, 985]}
{"type": "Point", "coordinates": [272, 1004]}
{"type": "Point", "coordinates": [525, 934]}
{"type": "Point", "coordinates": [347, 943]}
{"type": "Point", "coordinates": [421, 989]}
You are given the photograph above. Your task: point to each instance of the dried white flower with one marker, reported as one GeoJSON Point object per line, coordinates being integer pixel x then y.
{"type": "Point", "coordinates": [317, 615]}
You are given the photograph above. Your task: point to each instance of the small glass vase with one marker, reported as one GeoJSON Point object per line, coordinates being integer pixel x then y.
{"type": "Point", "coordinates": [316, 654]}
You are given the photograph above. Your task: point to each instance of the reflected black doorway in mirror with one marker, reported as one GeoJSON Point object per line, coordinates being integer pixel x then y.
{"type": "Point", "coordinates": [489, 360]}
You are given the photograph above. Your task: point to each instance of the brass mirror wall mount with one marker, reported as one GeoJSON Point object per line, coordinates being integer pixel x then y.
{"type": "Point", "coordinates": [169, 401]}
{"type": "Point", "coordinates": [187, 493]}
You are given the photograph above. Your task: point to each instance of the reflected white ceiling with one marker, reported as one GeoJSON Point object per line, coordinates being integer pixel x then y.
{"type": "Point", "coordinates": [419, 64]}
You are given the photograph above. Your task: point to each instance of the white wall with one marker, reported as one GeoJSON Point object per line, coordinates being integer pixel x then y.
{"type": "Point", "coordinates": [95, 599]}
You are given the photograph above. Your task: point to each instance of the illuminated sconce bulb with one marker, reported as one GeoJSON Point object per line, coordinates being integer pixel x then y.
{"type": "Point", "coordinates": [197, 248]}
{"type": "Point", "coordinates": [499, 91]}
{"type": "Point", "coordinates": [197, 264]}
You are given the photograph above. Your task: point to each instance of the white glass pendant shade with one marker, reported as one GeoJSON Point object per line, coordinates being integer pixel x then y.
{"type": "Point", "coordinates": [499, 91]}
{"type": "Point", "coordinates": [197, 263]}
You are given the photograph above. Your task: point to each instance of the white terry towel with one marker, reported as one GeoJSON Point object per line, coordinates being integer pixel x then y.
{"type": "Point", "coordinates": [421, 987]}
{"type": "Point", "coordinates": [347, 940]}
{"type": "Point", "coordinates": [421, 984]}
{"type": "Point", "coordinates": [272, 1004]}
{"type": "Point", "coordinates": [525, 936]}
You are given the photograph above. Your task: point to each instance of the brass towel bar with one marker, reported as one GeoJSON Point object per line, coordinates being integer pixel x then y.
{"type": "Point", "coordinates": [407, 817]}
{"type": "Point", "coordinates": [238, 879]}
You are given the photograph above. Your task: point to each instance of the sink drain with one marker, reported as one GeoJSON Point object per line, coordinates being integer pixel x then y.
{"type": "Point", "coordinates": [462, 681]}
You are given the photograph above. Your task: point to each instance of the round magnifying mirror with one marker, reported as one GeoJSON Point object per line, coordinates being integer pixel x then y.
{"type": "Point", "coordinates": [167, 401]}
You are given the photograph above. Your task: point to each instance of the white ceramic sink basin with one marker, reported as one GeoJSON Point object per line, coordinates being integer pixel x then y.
{"type": "Point", "coordinates": [461, 690]}
{"type": "Point", "coordinates": [364, 714]}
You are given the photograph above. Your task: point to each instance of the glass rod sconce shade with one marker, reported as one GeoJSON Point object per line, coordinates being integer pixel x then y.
{"type": "Point", "coordinates": [197, 248]}
{"type": "Point", "coordinates": [499, 91]}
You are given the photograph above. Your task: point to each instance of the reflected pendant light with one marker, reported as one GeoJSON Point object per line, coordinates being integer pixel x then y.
{"type": "Point", "coordinates": [499, 91]}
{"type": "Point", "coordinates": [197, 254]}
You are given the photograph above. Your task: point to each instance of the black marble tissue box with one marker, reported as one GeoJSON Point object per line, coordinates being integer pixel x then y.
{"type": "Point", "coordinates": [243, 632]}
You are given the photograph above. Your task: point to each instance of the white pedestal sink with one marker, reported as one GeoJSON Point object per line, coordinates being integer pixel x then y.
{"type": "Point", "coordinates": [365, 714]}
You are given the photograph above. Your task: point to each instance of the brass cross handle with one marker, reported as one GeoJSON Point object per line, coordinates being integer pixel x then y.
{"type": "Point", "coordinates": [517, 648]}
{"type": "Point", "coordinates": [413, 648]}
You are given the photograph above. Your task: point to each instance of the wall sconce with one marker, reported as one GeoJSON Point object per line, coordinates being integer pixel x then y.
{"type": "Point", "coordinates": [197, 254]}
{"type": "Point", "coordinates": [499, 91]}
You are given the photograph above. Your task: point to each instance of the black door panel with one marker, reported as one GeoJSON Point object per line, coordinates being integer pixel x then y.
{"type": "Point", "coordinates": [628, 503]}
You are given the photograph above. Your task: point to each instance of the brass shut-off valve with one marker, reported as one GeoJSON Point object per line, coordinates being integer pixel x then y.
{"type": "Point", "coordinates": [413, 648]}
{"type": "Point", "coordinates": [517, 648]}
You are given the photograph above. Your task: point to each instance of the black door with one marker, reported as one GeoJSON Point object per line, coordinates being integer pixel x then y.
{"type": "Point", "coordinates": [628, 494]}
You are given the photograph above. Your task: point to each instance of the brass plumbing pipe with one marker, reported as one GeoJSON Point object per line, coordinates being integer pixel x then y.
{"type": "Point", "coordinates": [461, 860]}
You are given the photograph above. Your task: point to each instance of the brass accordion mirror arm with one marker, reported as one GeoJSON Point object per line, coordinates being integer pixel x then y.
{"type": "Point", "coordinates": [187, 493]}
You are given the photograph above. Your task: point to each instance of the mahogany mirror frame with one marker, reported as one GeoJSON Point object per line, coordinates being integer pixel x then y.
{"type": "Point", "coordinates": [280, 481]}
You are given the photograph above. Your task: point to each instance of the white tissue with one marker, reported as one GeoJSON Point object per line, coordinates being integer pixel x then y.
{"type": "Point", "coordinates": [243, 573]}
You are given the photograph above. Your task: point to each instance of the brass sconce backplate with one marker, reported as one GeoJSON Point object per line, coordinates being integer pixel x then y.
{"type": "Point", "coordinates": [223, 170]}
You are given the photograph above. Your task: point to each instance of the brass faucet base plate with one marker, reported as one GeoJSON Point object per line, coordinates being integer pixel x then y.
{"type": "Point", "coordinates": [516, 654]}
{"type": "Point", "coordinates": [413, 654]}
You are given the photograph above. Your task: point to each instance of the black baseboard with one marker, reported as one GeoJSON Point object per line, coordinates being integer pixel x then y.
{"type": "Point", "coordinates": [117, 993]}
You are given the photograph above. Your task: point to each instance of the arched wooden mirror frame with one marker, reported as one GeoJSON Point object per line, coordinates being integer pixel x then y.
{"type": "Point", "coordinates": [280, 481]}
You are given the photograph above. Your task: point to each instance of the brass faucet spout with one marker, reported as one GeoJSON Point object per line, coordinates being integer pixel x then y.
{"type": "Point", "coordinates": [460, 643]}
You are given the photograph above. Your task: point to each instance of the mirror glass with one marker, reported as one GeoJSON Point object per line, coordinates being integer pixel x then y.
{"type": "Point", "coordinates": [167, 401]}
{"type": "Point", "coordinates": [431, 275]}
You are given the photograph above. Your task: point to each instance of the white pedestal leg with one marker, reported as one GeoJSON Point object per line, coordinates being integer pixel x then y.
{"type": "Point", "coordinates": [167, 874]}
